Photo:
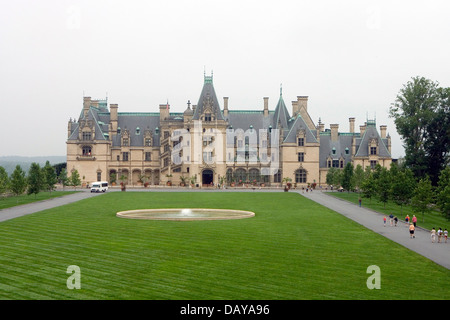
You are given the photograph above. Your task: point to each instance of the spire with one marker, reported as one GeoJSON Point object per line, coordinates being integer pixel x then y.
{"type": "Point", "coordinates": [281, 115]}
{"type": "Point", "coordinates": [208, 103]}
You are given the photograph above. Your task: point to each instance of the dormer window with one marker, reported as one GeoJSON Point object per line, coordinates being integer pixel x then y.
{"type": "Point", "coordinates": [138, 131]}
{"type": "Point", "coordinates": [373, 150]}
{"type": "Point", "coordinates": [207, 116]}
{"type": "Point", "coordinates": [86, 136]}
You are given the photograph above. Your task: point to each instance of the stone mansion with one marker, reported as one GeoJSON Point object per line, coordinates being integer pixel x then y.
{"type": "Point", "coordinates": [211, 144]}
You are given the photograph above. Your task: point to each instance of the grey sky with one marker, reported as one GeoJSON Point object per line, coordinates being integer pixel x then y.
{"type": "Point", "coordinates": [350, 57]}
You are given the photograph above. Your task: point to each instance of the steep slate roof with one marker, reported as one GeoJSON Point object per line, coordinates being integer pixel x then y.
{"type": "Point", "coordinates": [208, 92]}
{"type": "Point", "coordinates": [326, 148]}
{"type": "Point", "coordinates": [281, 116]}
{"type": "Point", "coordinates": [143, 121]}
{"type": "Point", "coordinates": [362, 144]}
{"type": "Point", "coordinates": [296, 124]}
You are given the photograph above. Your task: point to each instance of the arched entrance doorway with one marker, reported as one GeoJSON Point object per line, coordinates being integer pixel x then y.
{"type": "Point", "coordinates": [207, 177]}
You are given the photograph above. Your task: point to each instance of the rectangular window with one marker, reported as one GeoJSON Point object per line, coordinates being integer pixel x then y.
{"type": "Point", "coordinates": [166, 162]}
{"type": "Point", "coordinates": [125, 142]}
{"type": "Point", "coordinates": [301, 142]}
{"type": "Point", "coordinates": [373, 150]}
{"type": "Point", "coordinates": [148, 142]}
{"type": "Point", "coordinates": [148, 156]}
{"type": "Point", "coordinates": [125, 156]}
{"type": "Point", "coordinates": [166, 134]}
{"type": "Point", "coordinates": [373, 164]}
{"type": "Point", "coordinates": [86, 136]}
{"type": "Point", "coordinates": [207, 116]}
{"type": "Point", "coordinates": [335, 163]}
{"type": "Point", "coordinates": [301, 156]}
{"type": "Point", "coordinates": [99, 176]}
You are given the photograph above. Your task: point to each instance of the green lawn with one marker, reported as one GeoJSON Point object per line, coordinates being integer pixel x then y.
{"type": "Point", "coordinates": [292, 249]}
{"type": "Point", "coordinates": [8, 202]}
{"type": "Point", "coordinates": [429, 220]}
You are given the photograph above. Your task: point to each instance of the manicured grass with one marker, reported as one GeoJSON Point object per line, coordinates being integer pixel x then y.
{"type": "Point", "coordinates": [12, 201]}
{"type": "Point", "coordinates": [429, 220]}
{"type": "Point", "coordinates": [292, 249]}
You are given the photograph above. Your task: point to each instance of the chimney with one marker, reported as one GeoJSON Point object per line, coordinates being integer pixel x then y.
{"type": "Point", "coordinates": [302, 102]}
{"type": "Point", "coordinates": [225, 106]}
{"type": "Point", "coordinates": [383, 131]}
{"type": "Point", "coordinates": [295, 109]}
{"type": "Point", "coordinates": [362, 129]}
{"type": "Point", "coordinates": [334, 132]}
{"type": "Point", "coordinates": [164, 111]}
{"type": "Point", "coordinates": [113, 117]}
{"type": "Point", "coordinates": [266, 106]}
{"type": "Point", "coordinates": [352, 124]}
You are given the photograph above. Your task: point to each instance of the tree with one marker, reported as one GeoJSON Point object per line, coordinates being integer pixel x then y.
{"type": "Point", "coordinates": [443, 192]}
{"type": "Point", "coordinates": [422, 118]}
{"type": "Point", "coordinates": [402, 185]}
{"type": "Point", "coordinates": [358, 177]}
{"type": "Point", "coordinates": [63, 178]}
{"type": "Point", "coordinates": [334, 177]}
{"type": "Point", "coordinates": [75, 179]}
{"type": "Point", "coordinates": [18, 182]}
{"type": "Point", "coordinates": [423, 197]}
{"type": "Point", "coordinates": [369, 187]}
{"type": "Point", "coordinates": [383, 186]}
{"type": "Point", "coordinates": [347, 177]}
{"type": "Point", "coordinates": [50, 178]}
{"type": "Point", "coordinates": [4, 181]}
{"type": "Point", "coordinates": [35, 179]}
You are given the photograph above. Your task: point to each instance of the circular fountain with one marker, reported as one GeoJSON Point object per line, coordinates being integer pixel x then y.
{"type": "Point", "coordinates": [185, 214]}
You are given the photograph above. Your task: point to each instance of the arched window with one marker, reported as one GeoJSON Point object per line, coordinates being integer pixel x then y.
{"type": "Point", "coordinates": [229, 175]}
{"type": "Point", "coordinates": [87, 151]}
{"type": "Point", "coordinates": [240, 175]}
{"type": "Point", "coordinates": [300, 176]}
{"type": "Point", "coordinates": [253, 175]}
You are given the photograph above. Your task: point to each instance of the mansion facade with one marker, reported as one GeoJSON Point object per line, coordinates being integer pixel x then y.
{"type": "Point", "coordinates": [209, 144]}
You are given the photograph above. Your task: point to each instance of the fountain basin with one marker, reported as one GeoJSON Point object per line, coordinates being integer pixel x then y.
{"type": "Point", "coordinates": [184, 214]}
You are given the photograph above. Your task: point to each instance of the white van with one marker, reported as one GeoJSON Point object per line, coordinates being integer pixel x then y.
{"type": "Point", "coordinates": [99, 186]}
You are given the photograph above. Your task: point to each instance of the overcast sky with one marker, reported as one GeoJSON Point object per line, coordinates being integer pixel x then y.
{"type": "Point", "coordinates": [350, 57]}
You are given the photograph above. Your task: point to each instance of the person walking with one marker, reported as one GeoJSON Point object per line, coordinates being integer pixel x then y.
{"type": "Point", "coordinates": [391, 219]}
{"type": "Point", "coordinates": [359, 200]}
{"type": "Point", "coordinates": [395, 221]}
{"type": "Point", "coordinates": [445, 235]}
{"type": "Point", "coordinates": [414, 220]}
{"type": "Point", "coordinates": [439, 234]}
{"type": "Point", "coordinates": [433, 235]}
{"type": "Point", "coordinates": [411, 231]}
{"type": "Point", "coordinates": [384, 221]}
{"type": "Point", "coordinates": [407, 218]}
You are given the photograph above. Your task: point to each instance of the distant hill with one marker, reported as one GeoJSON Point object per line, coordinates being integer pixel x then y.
{"type": "Point", "coordinates": [10, 162]}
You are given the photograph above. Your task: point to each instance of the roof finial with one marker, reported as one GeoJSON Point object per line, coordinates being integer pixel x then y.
{"type": "Point", "coordinates": [281, 89]}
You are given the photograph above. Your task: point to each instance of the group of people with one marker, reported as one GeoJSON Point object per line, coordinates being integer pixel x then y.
{"type": "Point", "coordinates": [393, 220]}
{"type": "Point", "coordinates": [440, 234]}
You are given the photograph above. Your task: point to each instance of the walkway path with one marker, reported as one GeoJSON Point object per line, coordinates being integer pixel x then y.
{"type": "Point", "coordinates": [437, 252]}
{"type": "Point", "coordinates": [18, 211]}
